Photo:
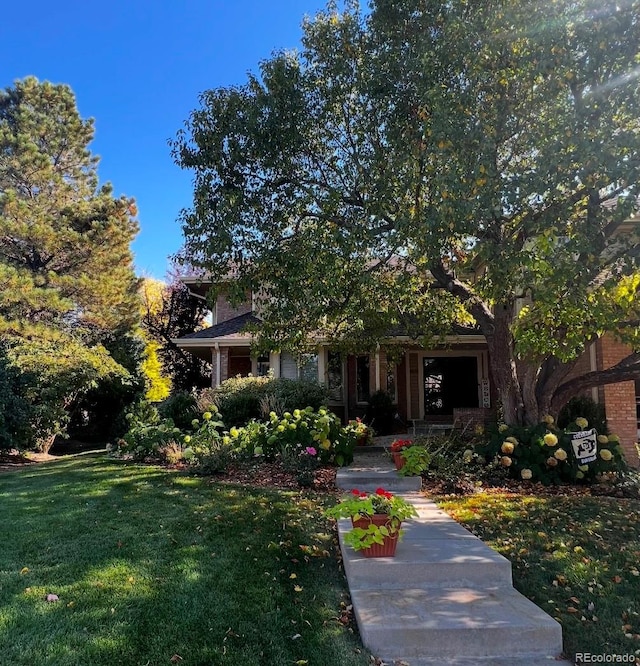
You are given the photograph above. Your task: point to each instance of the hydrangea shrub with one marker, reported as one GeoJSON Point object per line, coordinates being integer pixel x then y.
{"type": "Point", "coordinates": [545, 453]}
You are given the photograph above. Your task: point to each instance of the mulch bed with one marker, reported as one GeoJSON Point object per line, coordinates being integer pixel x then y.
{"type": "Point", "coordinates": [274, 475]}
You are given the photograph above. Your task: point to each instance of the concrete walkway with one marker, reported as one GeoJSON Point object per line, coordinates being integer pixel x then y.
{"type": "Point", "coordinates": [446, 597]}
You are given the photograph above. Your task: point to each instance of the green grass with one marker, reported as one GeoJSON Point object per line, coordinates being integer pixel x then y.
{"type": "Point", "coordinates": [152, 566]}
{"type": "Point", "coordinates": [577, 557]}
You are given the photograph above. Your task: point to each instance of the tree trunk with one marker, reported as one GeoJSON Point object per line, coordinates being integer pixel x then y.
{"type": "Point", "coordinates": [503, 365]}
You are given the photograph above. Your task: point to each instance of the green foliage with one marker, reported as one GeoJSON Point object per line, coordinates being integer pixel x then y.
{"type": "Point", "coordinates": [144, 440]}
{"type": "Point", "coordinates": [15, 410]}
{"type": "Point", "coordinates": [544, 453]}
{"type": "Point", "coordinates": [98, 414]}
{"type": "Point", "coordinates": [360, 504]}
{"type": "Point", "coordinates": [241, 399]}
{"type": "Point", "coordinates": [207, 449]}
{"type": "Point", "coordinates": [381, 412]}
{"type": "Point", "coordinates": [180, 407]}
{"type": "Point", "coordinates": [416, 460]}
{"type": "Point", "coordinates": [397, 158]}
{"type": "Point", "coordinates": [301, 432]}
{"type": "Point", "coordinates": [294, 393]}
{"type": "Point", "coordinates": [66, 267]}
{"type": "Point", "coordinates": [586, 407]}
{"type": "Point", "coordinates": [238, 398]}
{"type": "Point", "coordinates": [306, 428]}
{"type": "Point", "coordinates": [303, 462]}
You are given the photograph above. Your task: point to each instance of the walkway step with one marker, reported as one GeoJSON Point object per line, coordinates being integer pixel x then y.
{"type": "Point", "coordinates": [453, 622]}
{"type": "Point", "coordinates": [446, 597]}
{"type": "Point", "coordinates": [374, 471]}
{"type": "Point", "coordinates": [369, 480]}
{"type": "Point", "coordinates": [422, 561]}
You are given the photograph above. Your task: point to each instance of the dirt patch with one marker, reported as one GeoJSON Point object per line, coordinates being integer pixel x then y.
{"type": "Point", "coordinates": [11, 460]}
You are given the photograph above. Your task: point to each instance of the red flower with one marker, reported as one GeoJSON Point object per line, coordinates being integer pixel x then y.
{"type": "Point", "coordinates": [383, 493]}
{"type": "Point", "coordinates": [355, 492]}
{"type": "Point", "coordinates": [400, 444]}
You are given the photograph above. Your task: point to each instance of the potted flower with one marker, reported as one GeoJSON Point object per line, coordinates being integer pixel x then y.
{"type": "Point", "coordinates": [361, 431]}
{"type": "Point", "coordinates": [397, 447]}
{"type": "Point", "coordinates": [415, 460]}
{"type": "Point", "coordinates": [376, 519]}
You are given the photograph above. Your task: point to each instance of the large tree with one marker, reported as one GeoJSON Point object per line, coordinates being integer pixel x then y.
{"type": "Point", "coordinates": [169, 312]}
{"type": "Point", "coordinates": [66, 270]}
{"type": "Point", "coordinates": [430, 163]}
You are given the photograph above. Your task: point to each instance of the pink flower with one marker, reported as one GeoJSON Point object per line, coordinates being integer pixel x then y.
{"type": "Point", "coordinates": [311, 451]}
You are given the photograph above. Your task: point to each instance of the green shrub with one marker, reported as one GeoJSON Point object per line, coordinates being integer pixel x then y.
{"type": "Point", "coordinates": [207, 449]}
{"type": "Point", "coordinates": [180, 407]}
{"type": "Point", "coordinates": [242, 399]}
{"type": "Point", "coordinates": [297, 393]}
{"type": "Point", "coordinates": [15, 410]}
{"type": "Point", "coordinates": [237, 398]}
{"type": "Point", "coordinates": [296, 431]}
{"type": "Point", "coordinates": [144, 439]}
{"type": "Point", "coordinates": [381, 412]}
{"type": "Point", "coordinates": [586, 407]}
{"type": "Point", "coordinates": [544, 453]}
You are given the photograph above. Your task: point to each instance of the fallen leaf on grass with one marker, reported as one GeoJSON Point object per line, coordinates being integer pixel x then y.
{"type": "Point", "coordinates": [24, 570]}
{"type": "Point", "coordinates": [175, 659]}
{"type": "Point", "coordinates": [298, 588]}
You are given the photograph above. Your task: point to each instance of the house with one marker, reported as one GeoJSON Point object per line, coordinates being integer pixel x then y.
{"type": "Point", "coordinates": [431, 387]}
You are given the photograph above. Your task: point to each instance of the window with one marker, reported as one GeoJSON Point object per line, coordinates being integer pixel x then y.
{"type": "Point", "coordinates": [391, 382]}
{"type": "Point", "coordinates": [308, 369]}
{"type": "Point", "coordinates": [262, 367]}
{"type": "Point", "coordinates": [334, 376]}
{"type": "Point", "coordinates": [363, 378]}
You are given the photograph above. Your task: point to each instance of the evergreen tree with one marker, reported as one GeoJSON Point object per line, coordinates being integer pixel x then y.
{"type": "Point", "coordinates": [65, 263]}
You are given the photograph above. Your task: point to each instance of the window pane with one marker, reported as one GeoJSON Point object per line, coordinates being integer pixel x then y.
{"type": "Point", "coordinates": [362, 379]}
{"type": "Point", "coordinates": [391, 381]}
{"type": "Point", "coordinates": [262, 366]}
{"type": "Point", "coordinates": [334, 376]}
{"type": "Point", "coordinates": [309, 367]}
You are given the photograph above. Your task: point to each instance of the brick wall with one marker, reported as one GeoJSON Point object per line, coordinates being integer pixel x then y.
{"type": "Point", "coordinates": [224, 310]}
{"type": "Point", "coordinates": [469, 417]}
{"type": "Point", "coordinates": [619, 399]}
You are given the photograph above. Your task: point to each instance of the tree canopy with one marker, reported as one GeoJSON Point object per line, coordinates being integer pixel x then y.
{"type": "Point", "coordinates": [169, 312]}
{"type": "Point", "coordinates": [430, 163]}
{"type": "Point", "coordinates": [66, 267]}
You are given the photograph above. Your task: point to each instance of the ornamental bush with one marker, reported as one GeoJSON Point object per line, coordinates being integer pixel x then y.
{"type": "Point", "coordinates": [545, 453]}
{"type": "Point", "coordinates": [242, 399]}
{"type": "Point", "coordinates": [296, 431]}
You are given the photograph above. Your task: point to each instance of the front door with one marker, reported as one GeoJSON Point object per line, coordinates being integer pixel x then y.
{"type": "Point", "coordinates": [239, 365]}
{"type": "Point", "coordinates": [449, 381]}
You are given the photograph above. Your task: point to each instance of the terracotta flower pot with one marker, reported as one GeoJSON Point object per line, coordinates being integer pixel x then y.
{"type": "Point", "coordinates": [399, 460]}
{"type": "Point", "coordinates": [386, 549]}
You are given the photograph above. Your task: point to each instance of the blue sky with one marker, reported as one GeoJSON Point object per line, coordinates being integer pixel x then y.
{"type": "Point", "coordinates": [137, 67]}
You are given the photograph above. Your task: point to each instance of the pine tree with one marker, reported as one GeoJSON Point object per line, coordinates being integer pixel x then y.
{"type": "Point", "coordinates": [66, 270]}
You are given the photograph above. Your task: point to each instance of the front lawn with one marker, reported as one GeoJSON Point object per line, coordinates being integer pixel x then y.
{"type": "Point", "coordinates": [154, 567]}
{"type": "Point", "coordinates": [577, 557]}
